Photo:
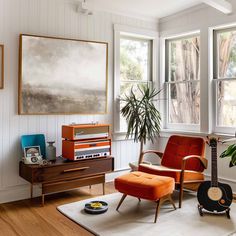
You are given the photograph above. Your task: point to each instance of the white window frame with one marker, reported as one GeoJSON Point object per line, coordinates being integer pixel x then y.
{"type": "Point", "coordinates": [214, 77]}
{"type": "Point", "coordinates": [123, 30]}
{"type": "Point", "coordinates": [165, 82]}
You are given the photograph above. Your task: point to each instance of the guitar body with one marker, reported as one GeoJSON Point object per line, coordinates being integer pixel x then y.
{"type": "Point", "coordinates": [214, 199]}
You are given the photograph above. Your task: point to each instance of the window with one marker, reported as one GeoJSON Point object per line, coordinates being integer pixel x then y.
{"type": "Point", "coordinates": [183, 82]}
{"type": "Point", "coordinates": [225, 79]}
{"type": "Point", "coordinates": [134, 65]}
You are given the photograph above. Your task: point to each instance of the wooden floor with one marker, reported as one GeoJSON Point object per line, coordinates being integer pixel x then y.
{"type": "Point", "coordinates": [28, 218]}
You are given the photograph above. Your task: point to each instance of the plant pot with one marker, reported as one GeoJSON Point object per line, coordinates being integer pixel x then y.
{"type": "Point", "coordinates": [134, 165]}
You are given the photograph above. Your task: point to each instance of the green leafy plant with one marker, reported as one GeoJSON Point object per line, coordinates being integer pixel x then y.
{"type": "Point", "coordinates": [143, 118]}
{"type": "Point", "coordinates": [230, 152]}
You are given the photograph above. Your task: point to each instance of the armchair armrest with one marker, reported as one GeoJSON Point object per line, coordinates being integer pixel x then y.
{"type": "Point", "coordinates": [159, 154]}
{"type": "Point", "coordinates": [202, 160]}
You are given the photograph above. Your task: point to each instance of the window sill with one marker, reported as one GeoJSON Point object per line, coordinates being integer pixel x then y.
{"type": "Point", "coordinates": [166, 133]}
{"type": "Point", "coordinates": [120, 136]}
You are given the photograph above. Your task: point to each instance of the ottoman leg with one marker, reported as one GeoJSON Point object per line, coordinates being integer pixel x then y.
{"type": "Point", "coordinates": [161, 201]}
{"type": "Point", "coordinates": [121, 200]}
{"type": "Point", "coordinates": [157, 210]}
{"type": "Point", "coordinates": [171, 201]}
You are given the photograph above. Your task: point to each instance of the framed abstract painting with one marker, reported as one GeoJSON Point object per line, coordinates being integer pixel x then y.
{"type": "Point", "coordinates": [62, 76]}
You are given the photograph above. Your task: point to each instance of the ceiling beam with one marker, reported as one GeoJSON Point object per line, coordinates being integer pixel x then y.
{"type": "Point", "coordinates": [221, 5]}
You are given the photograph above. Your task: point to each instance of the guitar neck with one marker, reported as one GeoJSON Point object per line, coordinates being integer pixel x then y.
{"type": "Point", "coordinates": [214, 174]}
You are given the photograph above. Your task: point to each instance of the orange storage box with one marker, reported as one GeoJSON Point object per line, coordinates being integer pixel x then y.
{"type": "Point", "coordinates": [83, 141]}
{"type": "Point", "coordinates": [77, 150]}
{"type": "Point", "coordinates": [87, 131]}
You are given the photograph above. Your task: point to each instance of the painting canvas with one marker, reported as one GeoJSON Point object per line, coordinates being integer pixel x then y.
{"type": "Point", "coordinates": [1, 66]}
{"type": "Point", "coordinates": [62, 76]}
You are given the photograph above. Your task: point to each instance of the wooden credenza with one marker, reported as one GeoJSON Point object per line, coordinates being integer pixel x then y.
{"type": "Point", "coordinates": [64, 175]}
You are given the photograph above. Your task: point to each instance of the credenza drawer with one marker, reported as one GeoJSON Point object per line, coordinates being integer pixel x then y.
{"type": "Point", "coordinates": [74, 170]}
{"type": "Point", "coordinates": [70, 184]}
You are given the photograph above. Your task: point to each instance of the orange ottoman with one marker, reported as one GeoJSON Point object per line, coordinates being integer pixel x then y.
{"type": "Point", "coordinates": [147, 186]}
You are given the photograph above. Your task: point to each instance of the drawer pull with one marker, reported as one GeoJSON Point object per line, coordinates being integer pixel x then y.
{"type": "Point", "coordinates": [76, 169]}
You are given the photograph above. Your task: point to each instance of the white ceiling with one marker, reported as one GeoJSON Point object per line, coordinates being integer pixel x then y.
{"type": "Point", "coordinates": [150, 9]}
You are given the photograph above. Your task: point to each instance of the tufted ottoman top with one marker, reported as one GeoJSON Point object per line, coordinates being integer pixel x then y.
{"type": "Point", "coordinates": [143, 185]}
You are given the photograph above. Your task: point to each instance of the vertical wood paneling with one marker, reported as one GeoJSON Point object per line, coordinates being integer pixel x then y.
{"type": "Point", "coordinates": [53, 18]}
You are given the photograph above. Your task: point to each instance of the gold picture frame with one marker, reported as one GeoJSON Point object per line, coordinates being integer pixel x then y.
{"type": "Point", "coordinates": [1, 66]}
{"type": "Point", "coordinates": [59, 76]}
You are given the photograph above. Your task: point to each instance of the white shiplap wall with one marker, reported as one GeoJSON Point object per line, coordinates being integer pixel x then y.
{"type": "Point", "coordinates": [51, 18]}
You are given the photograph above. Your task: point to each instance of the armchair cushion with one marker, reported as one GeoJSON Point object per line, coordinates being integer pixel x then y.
{"type": "Point", "coordinates": [180, 146]}
{"type": "Point", "coordinates": [171, 172]}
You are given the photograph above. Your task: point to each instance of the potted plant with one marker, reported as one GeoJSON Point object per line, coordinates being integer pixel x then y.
{"type": "Point", "coordinates": [230, 152]}
{"type": "Point", "coordinates": [143, 118]}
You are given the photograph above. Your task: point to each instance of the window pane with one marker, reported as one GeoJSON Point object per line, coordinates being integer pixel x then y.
{"type": "Point", "coordinates": [226, 109]}
{"type": "Point", "coordinates": [125, 90]}
{"type": "Point", "coordinates": [126, 87]}
{"type": "Point", "coordinates": [184, 59]}
{"type": "Point", "coordinates": [227, 54]}
{"type": "Point", "coordinates": [134, 59]}
{"type": "Point", "coordinates": [184, 103]}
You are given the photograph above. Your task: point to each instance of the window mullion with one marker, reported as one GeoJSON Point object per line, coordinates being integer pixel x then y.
{"type": "Point", "coordinates": [136, 81]}
{"type": "Point", "coordinates": [224, 79]}
{"type": "Point", "coordinates": [182, 81]}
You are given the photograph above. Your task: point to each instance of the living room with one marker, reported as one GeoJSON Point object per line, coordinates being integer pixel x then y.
{"type": "Point", "coordinates": [179, 56]}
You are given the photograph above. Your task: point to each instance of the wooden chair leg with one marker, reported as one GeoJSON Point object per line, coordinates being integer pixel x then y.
{"type": "Point", "coordinates": [181, 192]}
{"type": "Point", "coordinates": [139, 199]}
{"type": "Point", "coordinates": [121, 200]}
{"type": "Point", "coordinates": [157, 210]}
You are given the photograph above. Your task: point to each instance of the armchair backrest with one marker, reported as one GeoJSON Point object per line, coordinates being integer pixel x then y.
{"type": "Point", "coordinates": [180, 146]}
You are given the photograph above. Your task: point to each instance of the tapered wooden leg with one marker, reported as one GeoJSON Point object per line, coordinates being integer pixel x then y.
{"type": "Point", "coordinates": [161, 201]}
{"type": "Point", "coordinates": [139, 199]}
{"type": "Point", "coordinates": [157, 210]}
{"type": "Point", "coordinates": [103, 188]}
{"type": "Point", "coordinates": [31, 191]}
{"type": "Point", "coordinates": [121, 200]}
{"type": "Point", "coordinates": [181, 192]}
{"type": "Point", "coordinates": [171, 201]}
{"type": "Point", "coordinates": [42, 199]}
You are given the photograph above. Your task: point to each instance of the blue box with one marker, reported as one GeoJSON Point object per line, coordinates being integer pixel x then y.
{"type": "Point", "coordinates": [34, 140]}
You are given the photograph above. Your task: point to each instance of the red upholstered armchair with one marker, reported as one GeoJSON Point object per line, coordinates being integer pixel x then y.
{"type": "Point", "coordinates": [183, 159]}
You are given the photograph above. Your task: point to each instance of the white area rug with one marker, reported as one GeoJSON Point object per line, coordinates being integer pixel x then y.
{"type": "Point", "coordinates": [136, 218]}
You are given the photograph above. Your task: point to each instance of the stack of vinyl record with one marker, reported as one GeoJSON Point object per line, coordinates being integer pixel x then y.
{"type": "Point", "coordinates": [96, 207]}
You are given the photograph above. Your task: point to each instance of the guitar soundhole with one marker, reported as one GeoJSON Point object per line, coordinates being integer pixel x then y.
{"type": "Point", "coordinates": [215, 193]}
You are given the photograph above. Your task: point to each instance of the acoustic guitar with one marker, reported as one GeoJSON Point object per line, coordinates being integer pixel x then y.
{"type": "Point", "coordinates": [213, 195]}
